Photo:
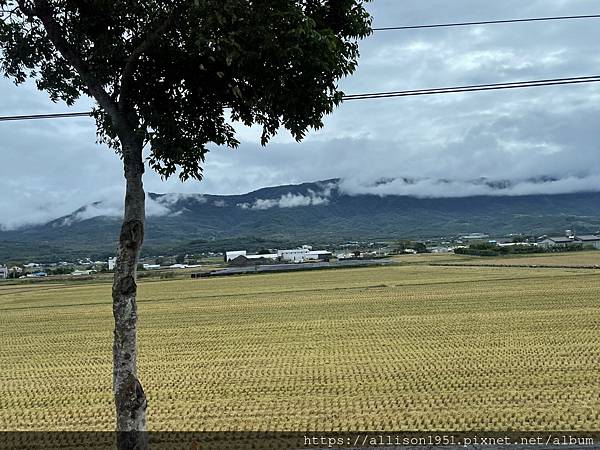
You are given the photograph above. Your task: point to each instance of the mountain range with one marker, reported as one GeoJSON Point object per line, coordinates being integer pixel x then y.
{"type": "Point", "coordinates": [317, 213]}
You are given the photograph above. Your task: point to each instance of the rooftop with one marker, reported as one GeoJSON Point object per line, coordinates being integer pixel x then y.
{"type": "Point", "coordinates": [588, 237]}
{"type": "Point", "coordinates": [560, 239]}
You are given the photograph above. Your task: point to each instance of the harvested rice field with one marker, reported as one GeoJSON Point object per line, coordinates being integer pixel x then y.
{"type": "Point", "coordinates": [571, 259]}
{"type": "Point", "coordinates": [407, 347]}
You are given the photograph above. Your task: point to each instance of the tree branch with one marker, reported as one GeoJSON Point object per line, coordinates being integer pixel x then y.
{"type": "Point", "coordinates": [27, 9]}
{"type": "Point", "coordinates": [43, 11]}
{"type": "Point", "coordinates": [131, 64]}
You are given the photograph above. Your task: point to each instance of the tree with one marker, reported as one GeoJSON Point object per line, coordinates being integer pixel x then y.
{"type": "Point", "coordinates": [171, 77]}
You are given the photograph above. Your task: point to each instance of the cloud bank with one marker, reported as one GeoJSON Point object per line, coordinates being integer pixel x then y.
{"type": "Point", "coordinates": [435, 188]}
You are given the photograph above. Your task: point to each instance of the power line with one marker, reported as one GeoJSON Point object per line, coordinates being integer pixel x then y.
{"type": "Point", "coordinates": [487, 22]}
{"type": "Point", "coordinates": [483, 87]}
{"type": "Point", "coordinates": [45, 116]}
{"type": "Point", "coordinates": [378, 95]}
{"type": "Point", "coordinates": [473, 88]}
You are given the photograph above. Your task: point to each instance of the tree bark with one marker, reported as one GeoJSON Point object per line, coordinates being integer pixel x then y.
{"type": "Point", "coordinates": [130, 400]}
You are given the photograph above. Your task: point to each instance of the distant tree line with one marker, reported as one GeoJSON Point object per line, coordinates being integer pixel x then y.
{"type": "Point", "coordinates": [492, 249]}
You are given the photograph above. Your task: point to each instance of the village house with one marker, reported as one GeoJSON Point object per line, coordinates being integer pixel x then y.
{"type": "Point", "coordinates": [561, 241]}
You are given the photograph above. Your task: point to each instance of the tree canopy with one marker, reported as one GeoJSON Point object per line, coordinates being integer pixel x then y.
{"type": "Point", "coordinates": [179, 73]}
{"type": "Point", "coordinates": [175, 75]}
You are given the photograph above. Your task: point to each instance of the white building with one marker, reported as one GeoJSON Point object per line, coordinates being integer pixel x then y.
{"type": "Point", "coordinates": [295, 255]}
{"type": "Point", "coordinates": [299, 255]}
{"type": "Point", "coordinates": [234, 254]}
{"type": "Point", "coordinates": [3, 273]}
{"type": "Point", "coordinates": [111, 263]}
{"type": "Point", "coordinates": [79, 273]}
{"type": "Point", "coordinates": [318, 255]}
{"type": "Point", "coordinates": [475, 236]}
{"type": "Point", "coordinates": [151, 266]}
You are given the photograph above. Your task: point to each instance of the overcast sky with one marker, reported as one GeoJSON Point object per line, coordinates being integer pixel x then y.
{"type": "Point", "coordinates": [49, 168]}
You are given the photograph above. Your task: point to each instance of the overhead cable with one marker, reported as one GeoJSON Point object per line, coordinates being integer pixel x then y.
{"type": "Point", "coordinates": [473, 88]}
{"type": "Point", "coordinates": [380, 95]}
{"type": "Point", "coordinates": [487, 22]}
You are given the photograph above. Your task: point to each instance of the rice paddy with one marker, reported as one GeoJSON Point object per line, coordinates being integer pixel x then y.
{"type": "Point", "coordinates": [409, 347]}
{"type": "Point", "coordinates": [587, 258]}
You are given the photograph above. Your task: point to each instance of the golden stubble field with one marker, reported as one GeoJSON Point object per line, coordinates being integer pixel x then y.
{"type": "Point", "coordinates": [571, 259]}
{"type": "Point", "coordinates": [395, 348]}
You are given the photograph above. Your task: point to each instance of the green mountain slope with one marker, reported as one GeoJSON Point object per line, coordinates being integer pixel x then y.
{"type": "Point", "coordinates": [310, 212]}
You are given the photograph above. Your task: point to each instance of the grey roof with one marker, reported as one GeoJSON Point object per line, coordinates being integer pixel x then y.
{"type": "Point", "coordinates": [587, 237]}
{"type": "Point", "coordinates": [561, 239]}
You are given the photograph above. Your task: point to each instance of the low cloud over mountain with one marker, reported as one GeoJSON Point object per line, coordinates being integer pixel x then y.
{"type": "Point", "coordinates": [443, 188]}
{"type": "Point", "coordinates": [325, 212]}
{"type": "Point", "coordinates": [312, 195]}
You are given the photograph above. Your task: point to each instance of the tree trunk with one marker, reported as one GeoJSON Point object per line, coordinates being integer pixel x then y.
{"type": "Point", "coordinates": [130, 400]}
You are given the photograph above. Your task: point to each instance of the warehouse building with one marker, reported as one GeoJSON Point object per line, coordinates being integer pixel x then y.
{"type": "Point", "coordinates": [564, 241]}
{"type": "Point", "coordinates": [556, 242]}
{"type": "Point", "coordinates": [589, 239]}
